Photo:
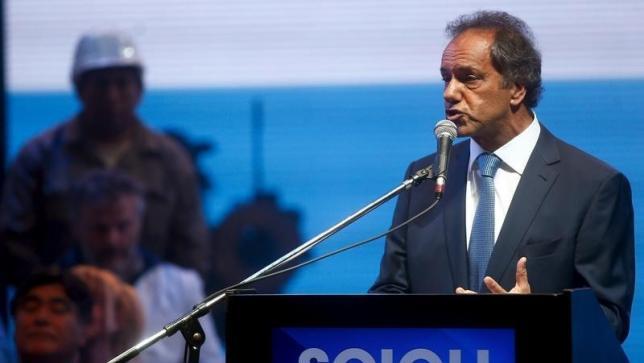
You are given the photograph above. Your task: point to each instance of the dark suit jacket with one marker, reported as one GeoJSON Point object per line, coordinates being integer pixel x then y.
{"type": "Point", "coordinates": [571, 216]}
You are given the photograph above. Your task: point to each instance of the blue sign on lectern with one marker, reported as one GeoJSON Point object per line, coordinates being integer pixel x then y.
{"type": "Point", "coordinates": [392, 345]}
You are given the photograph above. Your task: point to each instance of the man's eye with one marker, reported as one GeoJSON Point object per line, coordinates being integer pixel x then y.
{"type": "Point", "coordinates": [471, 78]}
{"type": "Point", "coordinates": [60, 306]}
{"type": "Point", "coordinates": [122, 82]}
{"type": "Point", "coordinates": [30, 305]}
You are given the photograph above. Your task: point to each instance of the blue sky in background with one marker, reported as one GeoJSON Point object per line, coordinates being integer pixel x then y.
{"type": "Point", "coordinates": [350, 95]}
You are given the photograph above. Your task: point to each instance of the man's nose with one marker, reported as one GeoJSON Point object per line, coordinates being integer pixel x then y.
{"type": "Point", "coordinates": [452, 92]}
{"type": "Point", "coordinates": [112, 91]}
{"type": "Point", "coordinates": [113, 237]}
{"type": "Point", "coordinates": [42, 315]}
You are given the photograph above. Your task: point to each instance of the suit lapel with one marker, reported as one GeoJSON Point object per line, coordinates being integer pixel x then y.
{"type": "Point", "coordinates": [454, 214]}
{"type": "Point", "coordinates": [539, 175]}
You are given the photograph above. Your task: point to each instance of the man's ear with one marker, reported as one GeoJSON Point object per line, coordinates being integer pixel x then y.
{"type": "Point", "coordinates": [518, 95]}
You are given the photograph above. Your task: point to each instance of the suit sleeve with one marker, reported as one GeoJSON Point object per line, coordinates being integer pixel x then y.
{"type": "Point", "coordinates": [393, 266]}
{"type": "Point", "coordinates": [605, 251]}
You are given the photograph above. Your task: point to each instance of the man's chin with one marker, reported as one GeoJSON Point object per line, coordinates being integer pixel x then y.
{"type": "Point", "coordinates": [463, 131]}
{"type": "Point", "coordinates": [38, 347]}
{"type": "Point", "coordinates": [111, 125]}
{"type": "Point", "coordinates": [116, 266]}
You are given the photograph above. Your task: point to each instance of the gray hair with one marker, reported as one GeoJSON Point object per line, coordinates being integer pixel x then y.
{"type": "Point", "coordinates": [101, 186]}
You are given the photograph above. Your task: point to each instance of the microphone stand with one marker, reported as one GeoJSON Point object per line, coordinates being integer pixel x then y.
{"type": "Point", "coordinates": [188, 323]}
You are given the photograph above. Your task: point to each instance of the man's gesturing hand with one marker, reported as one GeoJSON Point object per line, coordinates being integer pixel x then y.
{"type": "Point", "coordinates": [522, 285]}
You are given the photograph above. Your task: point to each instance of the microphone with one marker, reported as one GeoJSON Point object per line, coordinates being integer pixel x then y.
{"type": "Point", "coordinates": [445, 132]}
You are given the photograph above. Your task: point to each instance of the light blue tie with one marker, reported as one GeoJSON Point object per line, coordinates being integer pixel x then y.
{"type": "Point", "coordinates": [482, 235]}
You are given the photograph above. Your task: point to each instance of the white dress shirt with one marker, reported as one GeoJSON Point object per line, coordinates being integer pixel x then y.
{"type": "Point", "coordinates": [514, 157]}
{"type": "Point", "coordinates": [168, 291]}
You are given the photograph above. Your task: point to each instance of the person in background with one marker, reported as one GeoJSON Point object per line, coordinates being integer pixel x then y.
{"type": "Point", "coordinates": [117, 317]}
{"type": "Point", "coordinates": [107, 210]}
{"type": "Point", "coordinates": [523, 211]}
{"type": "Point", "coordinates": [52, 312]}
{"type": "Point", "coordinates": [107, 134]}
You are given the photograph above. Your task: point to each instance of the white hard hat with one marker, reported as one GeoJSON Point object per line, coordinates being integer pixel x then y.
{"type": "Point", "coordinates": [105, 50]}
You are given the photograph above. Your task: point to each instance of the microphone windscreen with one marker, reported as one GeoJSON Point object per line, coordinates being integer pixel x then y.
{"type": "Point", "coordinates": [445, 128]}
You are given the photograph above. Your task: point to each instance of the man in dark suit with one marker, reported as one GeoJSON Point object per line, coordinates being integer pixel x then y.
{"type": "Point", "coordinates": [518, 198]}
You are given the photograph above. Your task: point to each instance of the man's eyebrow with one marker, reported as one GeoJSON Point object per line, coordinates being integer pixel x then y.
{"type": "Point", "coordinates": [60, 299]}
{"type": "Point", "coordinates": [466, 68]}
{"type": "Point", "coordinates": [39, 298]}
{"type": "Point", "coordinates": [31, 295]}
{"type": "Point", "coordinates": [459, 69]}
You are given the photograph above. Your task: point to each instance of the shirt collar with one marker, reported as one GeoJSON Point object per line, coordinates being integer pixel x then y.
{"type": "Point", "coordinates": [516, 152]}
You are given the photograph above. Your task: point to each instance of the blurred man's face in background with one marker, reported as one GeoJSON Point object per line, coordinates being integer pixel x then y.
{"type": "Point", "coordinates": [48, 325]}
{"type": "Point", "coordinates": [110, 97]}
{"type": "Point", "coordinates": [109, 233]}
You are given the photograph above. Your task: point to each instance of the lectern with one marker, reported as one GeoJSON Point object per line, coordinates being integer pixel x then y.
{"type": "Point", "coordinates": [371, 328]}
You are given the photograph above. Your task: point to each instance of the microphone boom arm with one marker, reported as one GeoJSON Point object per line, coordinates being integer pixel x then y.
{"type": "Point", "coordinates": [206, 305]}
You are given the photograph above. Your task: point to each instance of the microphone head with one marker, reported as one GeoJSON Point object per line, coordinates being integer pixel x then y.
{"type": "Point", "coordinates": [445, 128]}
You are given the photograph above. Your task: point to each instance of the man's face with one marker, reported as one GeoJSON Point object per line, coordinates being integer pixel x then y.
{"type": "Point", "coordinates": [109, 233]}
{"type": "Point", "coordinates": [475, 98]}
{"type": "Point", "coordinates": [48, 324]}
{"type": "Point", "coordinates": [110, 97]}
